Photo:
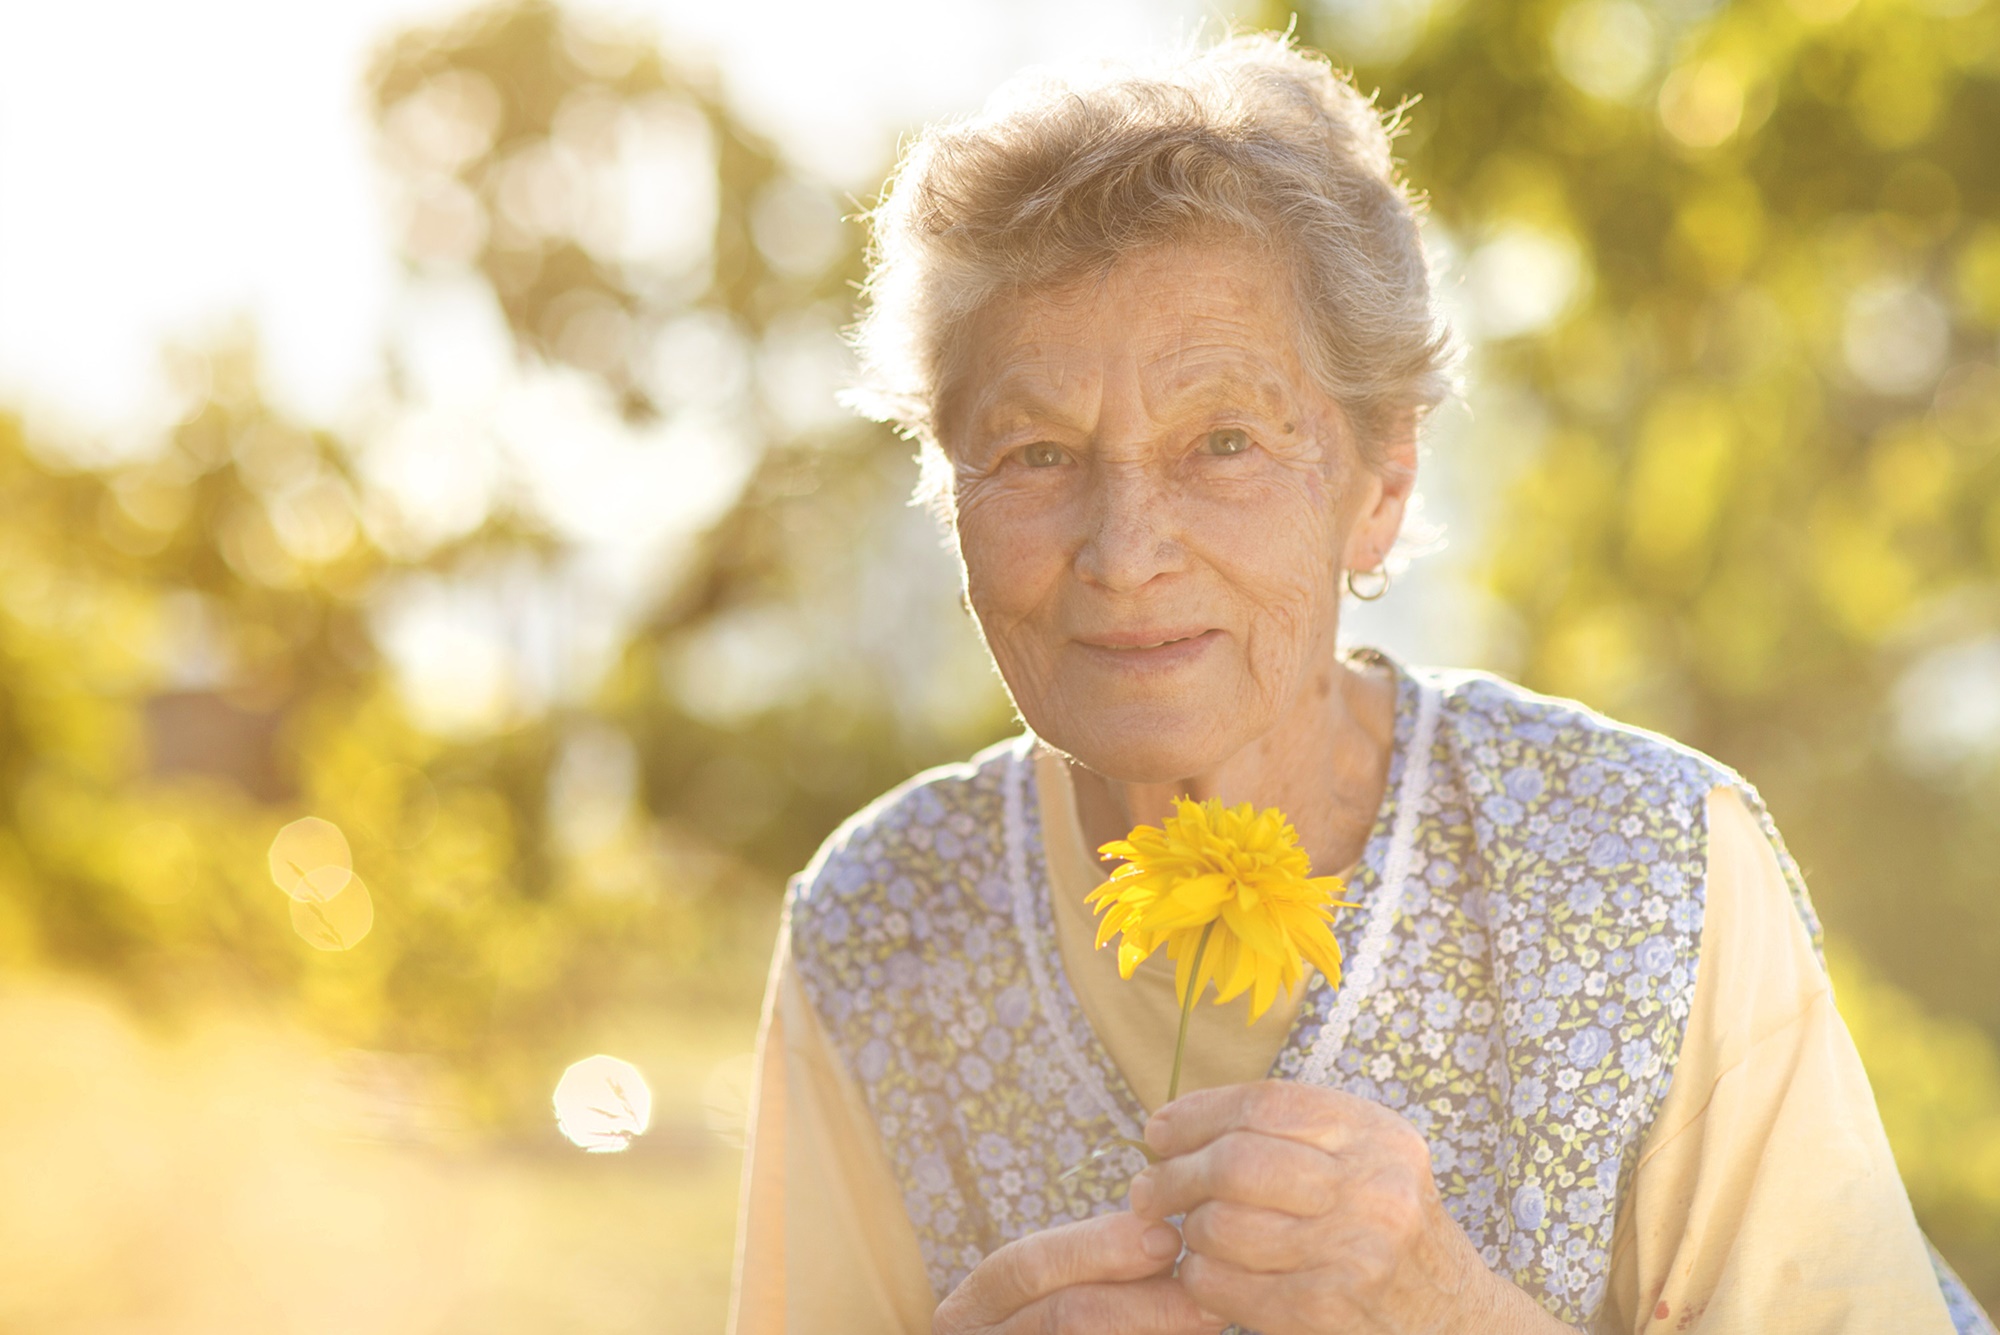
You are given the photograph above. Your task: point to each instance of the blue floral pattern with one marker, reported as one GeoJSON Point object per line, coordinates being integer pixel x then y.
{"type": "Point", "coordinates": [1528, 1009]}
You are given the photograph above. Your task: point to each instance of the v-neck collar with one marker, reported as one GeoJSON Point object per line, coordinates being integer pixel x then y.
{"type": "Point", "coordinates": [1356, 930]}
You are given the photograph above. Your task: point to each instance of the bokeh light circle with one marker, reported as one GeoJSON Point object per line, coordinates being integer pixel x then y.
{"type": "Point", "coordinates": [310, 860]}
{"type": "Point", "coordinates": [338, 923]}
{"type": "Point", "coordinates": [602, 1104]}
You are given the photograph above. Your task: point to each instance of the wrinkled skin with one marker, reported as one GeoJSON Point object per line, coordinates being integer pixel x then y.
{"type": "Point", "coordinates": [1154, 506]}
{"type": "Point", "coordinates": [1112, 1275]}
{"type": "Point", "coordinates": [1308, 1210]}
{"type": "Point", "coordinates": [1144, 457]}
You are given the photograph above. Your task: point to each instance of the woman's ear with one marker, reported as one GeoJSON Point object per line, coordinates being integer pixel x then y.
{"type": "Point", "coordinates": [1393, 460]}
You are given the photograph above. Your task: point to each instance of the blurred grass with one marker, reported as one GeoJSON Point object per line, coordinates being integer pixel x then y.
{"type": "Point", "coordinates": [219, 1176]}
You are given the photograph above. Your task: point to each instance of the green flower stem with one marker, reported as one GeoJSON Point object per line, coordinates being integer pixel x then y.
{"type": "Point", "coordinates": [1187, 1009]}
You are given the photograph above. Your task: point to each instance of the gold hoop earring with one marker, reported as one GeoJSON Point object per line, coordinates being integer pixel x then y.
{"type": "Point", "coordinates": [1375, 591]}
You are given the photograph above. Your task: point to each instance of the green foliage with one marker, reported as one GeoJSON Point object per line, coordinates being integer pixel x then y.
{"type": "Point", "coordinates": [802, 573]}
{"type": "Point", "coordinates": [187, 665]}
{"type": "Point", "coordinates": [500, 120]}
{"type": "Point", "coordinates": [190, 643]}
{"type": "Point", "coordinates": [1770, 458]}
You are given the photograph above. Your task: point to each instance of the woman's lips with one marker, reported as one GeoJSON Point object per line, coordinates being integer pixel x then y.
{"type": "Point", "coordinates": [1148, 650]}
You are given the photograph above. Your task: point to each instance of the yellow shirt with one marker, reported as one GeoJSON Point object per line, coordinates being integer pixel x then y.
{"type": "Point", "coordinates": [1765, 1198]}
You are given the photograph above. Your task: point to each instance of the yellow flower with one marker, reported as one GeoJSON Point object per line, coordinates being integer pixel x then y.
{"type": "Point", "coordinates": [1230, 869]}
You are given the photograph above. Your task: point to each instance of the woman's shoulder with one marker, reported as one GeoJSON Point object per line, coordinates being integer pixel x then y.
{"type": "Point", "coordinates": [916, 879]}
{"type": "Point", "coordinates": [1537, 768]}
{"type": "Point", "coordinates": [945, 822]}
{"type": "Point", "coordinates": [1500, 725]}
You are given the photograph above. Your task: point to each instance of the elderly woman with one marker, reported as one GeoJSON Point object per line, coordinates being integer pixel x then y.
{"type": "Point", "coordinates": [1167, 343]}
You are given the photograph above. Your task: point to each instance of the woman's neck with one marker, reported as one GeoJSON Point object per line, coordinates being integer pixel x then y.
{"type": "Point", "coordinates": [1325, 766]}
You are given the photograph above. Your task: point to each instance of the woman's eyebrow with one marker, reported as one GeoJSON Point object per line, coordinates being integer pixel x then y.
{"type": "Point", "coordinates": [1013, 402]}
{"type": "Point", "coordinates": [1192, 384]}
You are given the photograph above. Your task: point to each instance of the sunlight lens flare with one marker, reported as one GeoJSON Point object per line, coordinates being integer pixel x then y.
{"type": "Point", "coordinates": [602, 1104]}
{"type": "Point", "coordinates": [338, 923]}
{"type": "Point", "coordinates": [310, 860]}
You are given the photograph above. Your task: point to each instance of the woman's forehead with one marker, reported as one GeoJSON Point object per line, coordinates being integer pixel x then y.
{"type": "Point", "coordinates": [1050, 381]}
{"type": "Point", "coordinates": [1220, 287]}
{"type": "Point", "coordinates": [1181, 327]}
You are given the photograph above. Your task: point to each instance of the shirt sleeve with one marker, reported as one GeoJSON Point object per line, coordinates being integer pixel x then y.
{"type": "Point", "coordinates": [1766, 1198]}
{"type": "Point", "coordinates": [824, 1245]}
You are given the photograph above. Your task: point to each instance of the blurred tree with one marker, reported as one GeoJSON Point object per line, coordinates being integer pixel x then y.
{"type": "Point", "coordinates": [191, 642]}
{"type": "Point", "coordinates": [187, 660]}
{"type": "Point", "coordinates": [599, 190]}
{"type": "Point", "coordinates": [801, 663]}
{"type": "Point", "coordinates": [1731, 274]}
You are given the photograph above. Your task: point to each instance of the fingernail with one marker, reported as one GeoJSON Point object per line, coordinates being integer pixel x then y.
{"type": "Point", "coordinates": [1210, 1317]}
{"type": "Point", "coordinates": [1161, 1242]}
{"type": "Point", "coordinates": [1140, 1195]}
{"type": "Point", "coordinates": [1156, 1134]}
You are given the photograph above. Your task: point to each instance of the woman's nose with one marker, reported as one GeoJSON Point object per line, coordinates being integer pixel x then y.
{"type": "Point", "coordinates": [1131, 539]}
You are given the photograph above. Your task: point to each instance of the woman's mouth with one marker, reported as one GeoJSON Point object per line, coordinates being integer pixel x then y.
{"type": "Point", "coordinates": [1148, 649]}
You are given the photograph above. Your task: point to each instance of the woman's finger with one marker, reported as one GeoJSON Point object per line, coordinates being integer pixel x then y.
{"type": "Point", "coordinates": [1144, 1307]}
{"type": "Point", "coordinates": [1324, 1118]}
{"type": "Point", "coordinates": [1241, 1166]}
{"type": "Point", "coordinates": [1252, 1237]}
{"type": "Point", "coordinates": [1108, 1249]}
{"type": "Point", "coordinates": [1263, 1302]}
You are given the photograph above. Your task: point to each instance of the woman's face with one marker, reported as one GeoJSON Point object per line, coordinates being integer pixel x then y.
{"type": "Point", "coordinates": [1154, 507]}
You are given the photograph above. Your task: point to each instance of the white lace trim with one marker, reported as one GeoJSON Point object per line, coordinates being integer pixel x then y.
{"type": "Point", "coordinates": [1013, 804]}
{"type": "Point", "coordinates": [1317, 1068]}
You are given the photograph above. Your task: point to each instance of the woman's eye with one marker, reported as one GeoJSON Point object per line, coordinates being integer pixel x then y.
{"type": "Point", "coordinates": [1042, 456]}
{"type": "Point", "coordinates": [1228, 440]}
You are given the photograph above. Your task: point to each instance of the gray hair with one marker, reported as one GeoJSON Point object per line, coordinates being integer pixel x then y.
{"type": "Point", "coordinates": [1251, 138]}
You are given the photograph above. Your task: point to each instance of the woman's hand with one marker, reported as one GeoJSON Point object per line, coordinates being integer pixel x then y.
{"type": "Point", "coordinates": [1308, 1211]}
{"type": "Point", "coordinates": [1111, 1275]}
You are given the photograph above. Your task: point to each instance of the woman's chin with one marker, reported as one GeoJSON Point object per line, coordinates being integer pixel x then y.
{"type": "Point", "coordinates": [1147, 749]}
